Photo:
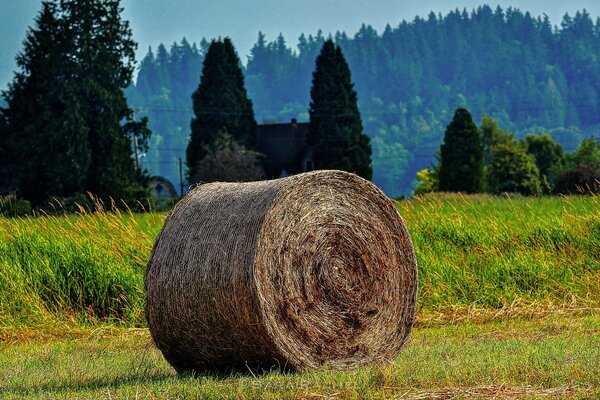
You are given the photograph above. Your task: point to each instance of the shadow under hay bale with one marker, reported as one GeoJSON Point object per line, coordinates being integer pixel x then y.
{"type": "Point", "coordinates": [294, 273]}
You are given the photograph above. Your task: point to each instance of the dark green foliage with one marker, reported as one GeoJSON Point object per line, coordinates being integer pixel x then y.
{"type": "Point", "coordinates": [336, 134]}
{"type": "Point", "coordinates": [10, 206]}
{"type": "Point", "coordinates": [513, 170]}
{"type": "Point", "coordinates": [548, 156]}
{"type": "Point", "coordinates": [69, 128]}
{"type": "Point", "coordinates": [228, 161]}
{"type": "Point", "coordinates": [220, 103]}
{"type": "Point", "coordinates": [461, 156]}
{"type": "Point", "coordinates": [588, 153]}
{"type": "Point", "coordinates": [581, 171]}
{"type": "Point", "coordinates": [580, 180]}
{"type": "Point", "coordinates": [44, 138]}
{"type": "Point", "coordinates": [411, 77]}
{"type": "Point", "coordinates": [491, 136]}
{"type": "Point", "coordinates": [4, 157]}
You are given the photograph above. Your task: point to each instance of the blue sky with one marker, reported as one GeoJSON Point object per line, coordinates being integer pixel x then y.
{"type": "Point", "coordinates": [166, 21]}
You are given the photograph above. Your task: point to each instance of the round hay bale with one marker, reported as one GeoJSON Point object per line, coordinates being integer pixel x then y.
{"type": "Point", "coordinates": [294, 273]}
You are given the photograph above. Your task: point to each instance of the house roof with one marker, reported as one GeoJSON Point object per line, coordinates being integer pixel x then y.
{"type": "Point", "coordinates": [162, 188]}
{"type": "Point", "coordinates": [283, 146]}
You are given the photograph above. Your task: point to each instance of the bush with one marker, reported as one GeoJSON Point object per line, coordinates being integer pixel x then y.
{"type": "Point", "coordinates": [10, 206]}
{"type": "Point", "coordinates": [582, 179]}
{"type": "Point", "coordinates": [513, 170]}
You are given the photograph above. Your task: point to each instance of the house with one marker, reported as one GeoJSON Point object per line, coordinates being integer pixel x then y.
{"type": "Point", "coordinates": [162, 189]}
{"type": "Point", "coordinates": [284, 148]}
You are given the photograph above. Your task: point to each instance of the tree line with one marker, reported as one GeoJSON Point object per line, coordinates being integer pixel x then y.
{"type": "Point", "coordinates": [224, 129]}
{"type": "Point", "coordinates": [530, 76]}
{"type": "Point", "coordinates": [490, 160]}
{"type": "Point", "coordinates": [67, 128]}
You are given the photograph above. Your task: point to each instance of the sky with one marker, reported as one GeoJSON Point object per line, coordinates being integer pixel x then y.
{"type": "Point", "coordinates": [166, 21]}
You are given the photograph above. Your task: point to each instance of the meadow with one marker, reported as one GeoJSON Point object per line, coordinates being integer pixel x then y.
{"type": "Point", "coordinates": [509, 305]}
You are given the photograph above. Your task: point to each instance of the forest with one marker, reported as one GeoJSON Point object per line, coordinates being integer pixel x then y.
{"type": "Point", "coordinates": [527, 74]}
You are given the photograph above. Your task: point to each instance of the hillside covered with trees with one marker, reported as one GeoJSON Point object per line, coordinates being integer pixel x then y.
{"type": "Point", "coordinates": [530, 76]}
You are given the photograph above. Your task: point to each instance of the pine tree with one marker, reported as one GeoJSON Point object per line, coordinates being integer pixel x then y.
{"type": "Point", "coordinates": [45, 138]}
{"type": "Point", "coordinates": [461, 156]}
{"type": "Point", "coordinates": [69, 126]}
{"type": "Point", "coordinates": [105, 52]}
{"type": "Point", "coordinates": [220, 103]}
{"type": "Point", "coordinates": [336, 134]}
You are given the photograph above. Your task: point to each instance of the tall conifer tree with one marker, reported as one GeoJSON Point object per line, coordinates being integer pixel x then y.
{"type": "Point", "coordinates": [220, 104]}
{"type": "Point", "coordinates": [461, 162]}
{"type": "Point", "coordinates": [69, 126]}
{"type": "Point", "coordinates": [336, 134]}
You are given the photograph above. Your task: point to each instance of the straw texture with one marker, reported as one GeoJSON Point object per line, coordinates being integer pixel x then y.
{"type": "Point", "coordinates": [295, 273]}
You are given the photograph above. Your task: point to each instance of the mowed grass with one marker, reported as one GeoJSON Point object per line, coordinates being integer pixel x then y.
{"type": "Point", "coordinates": [480, 258]}
{"type": "Point", "coordinates": [557, 357]}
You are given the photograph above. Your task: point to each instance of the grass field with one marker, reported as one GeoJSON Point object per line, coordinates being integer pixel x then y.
{"type": "Point", "coordinates": [543, 358]}
{"type": "Point", "coordinates": [509, 306]}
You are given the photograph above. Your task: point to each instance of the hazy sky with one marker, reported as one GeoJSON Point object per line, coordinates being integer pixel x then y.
{"type": "Point", "coordinates": [166, 21]}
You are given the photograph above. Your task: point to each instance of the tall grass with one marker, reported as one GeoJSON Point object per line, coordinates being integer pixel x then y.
{"type": "Point", "coordinates": [489, 252]}
{"type": "Point", "coordinates": [81, 268]}
{"type": "Point", "coordinates": [474, 253]}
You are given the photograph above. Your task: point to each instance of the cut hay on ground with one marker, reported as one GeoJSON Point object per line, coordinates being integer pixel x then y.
{"type": "Point", "coordinates": [310, 270]}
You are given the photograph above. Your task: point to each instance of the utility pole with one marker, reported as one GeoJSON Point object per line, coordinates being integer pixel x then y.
{"type": "Point", "coordinates": [181, 176]}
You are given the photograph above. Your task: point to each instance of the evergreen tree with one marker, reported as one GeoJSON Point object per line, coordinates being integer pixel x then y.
{"type": "Point", "coordinates": [106, 61]}
{"type": "Point", "coordinates": [336, 134]}
{"type": "Point", "coordinates": [461, 156]}
{"type": "Point", "coordinates": [69, 125]}
{"type": "Point", "coordinates": [5, 184]}
{"type": "Point", "coordinates": [45, 138]}
{"type": "Point", "coordinates": [220, 103]}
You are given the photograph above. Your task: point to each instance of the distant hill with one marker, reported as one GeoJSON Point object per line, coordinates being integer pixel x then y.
{"type": "Point", "coordinates": [524, 72]}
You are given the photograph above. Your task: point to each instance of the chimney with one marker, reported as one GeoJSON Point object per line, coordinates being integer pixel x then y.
{"type": "Point", "coordinates": [294, 122]}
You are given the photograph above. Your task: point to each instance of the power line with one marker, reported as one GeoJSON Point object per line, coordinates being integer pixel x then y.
{"type": "Point", "coordinates": [514, 107]}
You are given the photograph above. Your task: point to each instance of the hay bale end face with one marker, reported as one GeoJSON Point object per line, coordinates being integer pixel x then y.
{"type": "Point", "coordinates": [295, 273]}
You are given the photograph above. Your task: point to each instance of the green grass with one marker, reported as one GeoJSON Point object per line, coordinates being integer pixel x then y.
{"type": "Point", "coordinates": [482, 252]}
{"type": "Point", "coordinates": [479, 257]}
{"type": "Point", "coordinates": [509, 307]}
{"type": "Point", "coordinates": [558, 356]}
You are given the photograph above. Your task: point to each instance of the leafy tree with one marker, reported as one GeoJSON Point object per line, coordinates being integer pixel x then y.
{"type": "Point", "coordinates": [588, 153]}
{"type": "Point", "coordinates": [336, 133]}
{"type": "Point", "coordinates": [220, 103]}
{"type": "Point", "coordinates": [579, 180]}
{"type": "Point", "coordinates": [513, 170]}
{"type": "Point", "coordinates": [461, 155]}
{"type": "Point", "coordinates": [492, 135]}
{"type": "Point", "coordinates": [581, 172]}
{"type": "Point", "coordinates": [548, 156]}
{"type": "Point", "coordinates": [228, 161]}
{"type": "Point", "coordinates": [427, 181]}
{"type": "Point", "coordinates": [69, 125]}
